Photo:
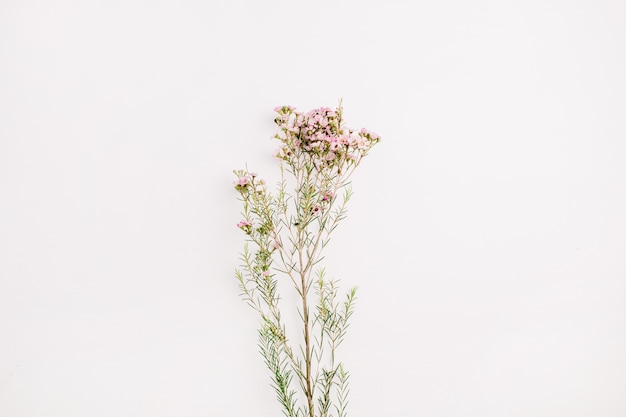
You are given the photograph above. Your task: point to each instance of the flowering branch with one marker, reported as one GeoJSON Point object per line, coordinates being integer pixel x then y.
{"type": "Point", "coordinates": [288, 231]}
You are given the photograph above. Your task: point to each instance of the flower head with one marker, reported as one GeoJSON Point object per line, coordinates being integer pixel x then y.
{"type": "Point", "coordinates": [246, 226]}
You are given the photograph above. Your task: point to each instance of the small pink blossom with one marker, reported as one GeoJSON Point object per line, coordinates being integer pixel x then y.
{"type": "Point", "coordinates": [353, 139]}
{"type": "Point", "coordinates": [279, 109]}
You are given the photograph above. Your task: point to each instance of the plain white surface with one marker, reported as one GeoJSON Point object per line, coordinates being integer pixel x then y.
{"type": "Point", "coordinates": [487, 233]}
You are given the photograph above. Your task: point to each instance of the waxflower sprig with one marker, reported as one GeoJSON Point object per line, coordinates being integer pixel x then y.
{"type": "Point", "coordinates": [286, 232]}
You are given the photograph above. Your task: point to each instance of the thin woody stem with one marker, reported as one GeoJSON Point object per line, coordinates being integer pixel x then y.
{"type": "Point", "coordinates": [307, 343]}
{"type": "Point", "coordinates": [304, 288]}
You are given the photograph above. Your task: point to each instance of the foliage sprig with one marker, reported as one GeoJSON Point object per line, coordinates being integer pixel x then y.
{"type": "Point", "coordinates": [286, 232]}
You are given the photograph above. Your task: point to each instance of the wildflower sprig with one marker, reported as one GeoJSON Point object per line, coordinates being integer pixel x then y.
{"type": "Point", "coordinates": [286, 232]}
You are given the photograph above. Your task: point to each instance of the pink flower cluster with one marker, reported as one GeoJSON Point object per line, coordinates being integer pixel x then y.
{"type": "Point", "coordinates": [319, 135]}
{"type": "Point", "coordinates": [247, 181]}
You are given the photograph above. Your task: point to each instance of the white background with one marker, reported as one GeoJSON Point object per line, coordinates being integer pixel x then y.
{"type": "Point", "coordinates": [487, 234]}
